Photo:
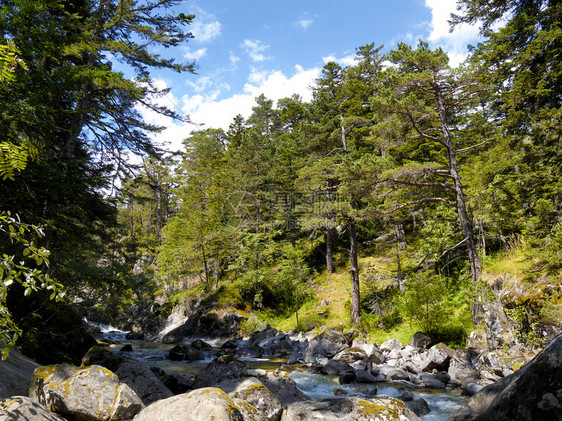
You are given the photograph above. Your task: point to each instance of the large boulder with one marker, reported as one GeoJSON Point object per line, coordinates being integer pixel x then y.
{"type": "Point", "coordinates": [252, 391]}
{"type": "Point", "coordinates": [15, 372]}
{"type": "Point", "coordinates": [220, 369]}
{"type": "Point", "coordinates": [207, 322]}
{"type": "Point", "coordinates": [22, 408]}
{"type": "Point", "coordinates": [327, 344]}
{"type": "Point", "coordinates": [533, 393]}
{"type": "Point", "coordinates": [203, 404]}
{"type": "Point", "coordinates": [278, 346]}
{"type": "Point", "coordinates": [380, 408]}
{"type": "Point", "coordinates": [496, 323]}
{"type": "Point", "coordinates": [85, 394]}
{"type": "Point", "coordinates": [438, 358]}
{"type": "Point", "coordinates": [463, 364]}
{"type": "Point", "coordinates": [421, 340]}
{"type": "Point", "coordinates": [146, 384]}
{"type": "Point", "coordinates": [283, 387]}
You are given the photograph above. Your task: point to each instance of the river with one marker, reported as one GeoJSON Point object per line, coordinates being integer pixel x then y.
{"type": "Point", "coordinates": [443, 404]}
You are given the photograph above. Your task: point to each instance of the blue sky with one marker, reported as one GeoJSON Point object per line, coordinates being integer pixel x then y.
{"type": "Point", "coordinates": [243, 48]}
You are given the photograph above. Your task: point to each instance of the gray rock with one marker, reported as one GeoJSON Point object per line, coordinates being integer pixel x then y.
{"type": "Point", "coordinates": [430, 381]}
{"type": "Point", "coordinates": [327, 344]}
{"type": "Point", "coordinates": [419, 407]}
{"type": "Point", "coordinates": [438, 358]}
{"type": "Point", "coordinates": [381, 408]}
{"type": "Point", "coordinates": [15, 372]}
{"type": "Point", "coordinates": [185, 352]}
{"type": "Point", "coordinates": [220, 369]}
{"type": "Point", "coordinates": [22, 408]}
{"type": "Point", "coordinates": [89, 393]}
{"type": "Point", "coordinates": [336, 368]}
{"type": "Point", "coordinates": [362, 376]}
{"type": "Point", "coordinates": [283, 387]}
{"type": "Point", "coordinates": [392, 373]}
{"type": "Point", "coordinates": [351, 355]}
{"type": "Point", "coordinates": [253, 392]}
{"type": "Point", "coordinates": [526, 394]}
{"type": "Point", "coordinates": [463, 365]}
{"type": "Point", "coordinates": [391, 344]}
{"type": "Point", "coordinates": [202, 404]}
{"type": "Point", "coordinates": [146, 384]}
{"type": "Point", "coordinates": [496, 323]}
{"type": "Point", "coordinates": [278, 346]}
{"type": "Point", "coordinates": [472, 389]}
{"type": "Point", "coordinates": [421, 340]}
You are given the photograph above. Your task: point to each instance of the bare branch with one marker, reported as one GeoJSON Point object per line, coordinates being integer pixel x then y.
{"type": "Point", "coordinates": [418, 202]}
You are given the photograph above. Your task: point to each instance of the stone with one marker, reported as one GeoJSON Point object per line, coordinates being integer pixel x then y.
{"type": "Point", "coordinates": [421, 340]}
{"type": "Point", "coordinates": [391, 344]}
{"type": "Point", "coordinates": [429, 380]}
{"type": "Point", "coordinates": [185, 353]}
{"type": "Point", "coordinates": [177, 383]}
{"type": "Point", "coordinates": [136, 375]}
{"type": "Point", "coordinates": [15, 372]}
{"type": "Point", "coordinates": [351, 355]}
{"type": "Point", "coordinates": [220, 369]}
{"type": "Point", "coordinates": [208, 403]}
{"type": "Point", "coordinates": [391, 373]}
{"type": "Point", "coordinates": [336, 368]}
{"type": "Point", "coordinates": [496, 323]}
{"type": "Point", "coordinates": [327, 344]}
{"type": "Point", "coordinates": [438, 358]}
{"type": "Point", "coordinates": [463, 364]}
{"type": "Point", "coordinates": [419, 407]}
{"type": "Point", "coordinates": [88, 394]}
{"type": "Point", "coordinates": [277, 346]}
{"type": "Point", "coordinates": [526, 394]}
{"type": "Point", "coordinates": [22, 408]}
{"type": "Point", "coordinates": [253, 392]}
{"type": "Point", "coordinates": [362, 376]}
{"type": "Point", "coordinates": [381, 408]}
{"type": "Point", "coordinates": [283, 387]}
{"type": "Point", "coordinates": [472, 389]}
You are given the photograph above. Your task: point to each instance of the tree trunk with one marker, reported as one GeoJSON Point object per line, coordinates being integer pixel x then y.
{"type": "Point", "coordinates": [464, 219]}
{"type": "Point", "coordinates": [329, 249]}
{"type": "Point", "coordinates": [355, 294]}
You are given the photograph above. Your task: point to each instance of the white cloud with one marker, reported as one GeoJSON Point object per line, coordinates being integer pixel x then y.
{"type": "Point", "coordinates": [304, 23]}
{"type": "Point", "coordinates": [454, 43]}
{"type": "Point", "coordinates": [255, 49]}
{"type": "Point", "coordinates": [194, 55]}
{"type": "Point", "coordinates": [205, 27]}
{"type": "Point", "coordinates": [344, 61]}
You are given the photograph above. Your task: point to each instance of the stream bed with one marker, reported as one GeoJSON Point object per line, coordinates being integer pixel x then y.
{"type": "Point", "coordinates": [442, 403]}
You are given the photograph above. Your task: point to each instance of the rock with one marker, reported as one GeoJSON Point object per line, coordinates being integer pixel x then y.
{"type": "Point", "coordinates": [391, 345]}
{"type": "Point", "coordinates": [90, 394]}
{"type": "Point", "coordinates": [136, 375]}
{"type": "Point", "coordinates": [381, 408]}
{"type": "Point", "coordinates": [421, 340]}
{"type": "Point", "coordinates": [177, 383]}
{"type": "Point", "coordinates": [126, 348]}
{"type": "Point", "coordinates": [351, 355]}
{"type": "Point", "coordinates": [472, 389]}
{"type": "Point", "coordinates": [476, 341]}
{"type": "Point", "coordinates": [534, 392]}
{"type": "Point", "coordinates": [419, 407]}
{"type": "Point", "coordinates": [327, 344]}
{"type": "Point", "coordinates": [253, 392]}
{"type": "Point", "coordinates": [496, 323]}
{"type": "Point", "coordinates": [362, 376]}
{"type": "Point", "coordinates": [406, 396]}
{"type": "Point", "coordinates": [430, 381]}
{"type": "Point", "coordinates": [347, 378]}
{"type": "Point", "coordinates": [203, 404]}
{"type": "Point", "coordinates": [15, 372]}
{"type": "Point", "coordinates": [463, 364]}
{"type": "Point", "coordinates": [438, 358]}
{"type": "Point", "coordinates": [22, 408]}
{"type": "Point", "coordinates": [201, 345]}
{"type": "Point", "coordinates": [185, 353]}
{"type": "Point", "coordinates": [266, 333]}
{"type": "Point", "coordinates": [218, 323]}
{"type": "Point", "coordinates": [283, 387]}
{"type": "Point", "coordinates": [336, 368]}
{"type": "Point", "coordinates": [278, 346]}
{"type": "Point", "coordinates": [391, 373]}
{"type": "Point", "coordinates": [220, 369]}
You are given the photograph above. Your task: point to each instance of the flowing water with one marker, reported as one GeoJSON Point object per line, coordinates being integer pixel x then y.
{"type": "Point", "coordinates": [317, 386]}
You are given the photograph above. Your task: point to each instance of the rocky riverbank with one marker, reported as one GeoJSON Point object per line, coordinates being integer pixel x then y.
{"type": "Point", "coordinates": [113, 386]}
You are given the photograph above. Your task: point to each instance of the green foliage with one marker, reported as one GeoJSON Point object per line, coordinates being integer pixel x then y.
{"type": "Point", "coordinates": [433, 306]}
{"type": "Point", "coordinates": [17, 268]}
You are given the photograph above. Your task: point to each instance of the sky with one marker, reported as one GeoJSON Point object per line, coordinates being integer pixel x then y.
{"type": "Point", "coordinates": [243, 48]}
